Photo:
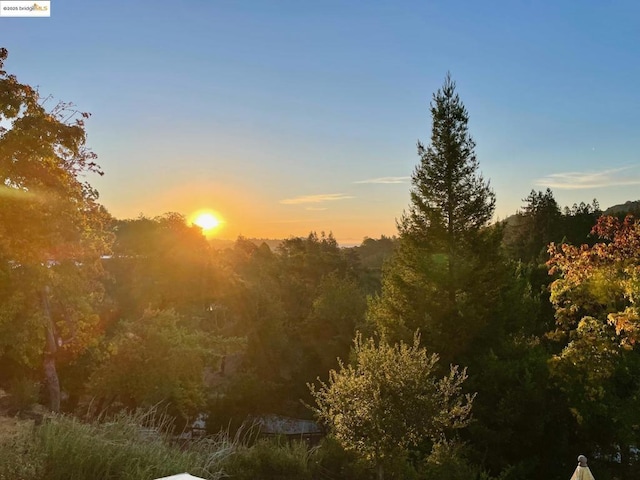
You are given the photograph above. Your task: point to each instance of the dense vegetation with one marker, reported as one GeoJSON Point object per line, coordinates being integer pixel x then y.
{"type": "Point", "coordinates": [467, 349]}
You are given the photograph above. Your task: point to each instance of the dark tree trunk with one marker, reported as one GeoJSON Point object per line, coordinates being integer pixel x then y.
{"type": "Point", "coordinates": [51, 347]}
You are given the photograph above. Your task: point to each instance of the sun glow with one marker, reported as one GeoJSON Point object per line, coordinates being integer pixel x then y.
{"type": "Point", "coordinates": [207, 220]}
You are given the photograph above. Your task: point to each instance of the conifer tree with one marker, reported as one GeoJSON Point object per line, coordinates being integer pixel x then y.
{"type": "Point", "coordinates": [444, 249]}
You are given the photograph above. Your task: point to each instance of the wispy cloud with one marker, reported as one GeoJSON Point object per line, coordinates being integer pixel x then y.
{"type": "Point", "coordinates": [325, 197]}
{"type": "Point", "coordinates": [385, 180]}
{"type": "Point", "coordinates": [316, 209]}
{"type": "Point", "coordinates": [582, 180]}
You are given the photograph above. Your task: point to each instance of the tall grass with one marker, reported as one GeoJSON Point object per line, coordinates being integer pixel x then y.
{"type": "Point", "coordinates": [126, 447]}
{"type": "Point", "coordinates": [141, 446]}
{"type": "Point", "coordinates": [20, 458]}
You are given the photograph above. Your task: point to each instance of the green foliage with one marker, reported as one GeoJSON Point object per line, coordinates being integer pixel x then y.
{"type": "Point", "coordinates": [239, 396]}
{"type": "Point", "coordinates": [298, 308]}
{"type": "Point", "coordinates": [160, 263]}
{"type": "Point", "coordinates": [447, 461]}
{"type": "Point", "coordinates": [442, 279]}
{"type": "Point", "coordinates": [595, 299]}
{"type": "Point", "coordinates": [23, 392]}
{"type": "Point", "coordinates": [270, 459]}
{"type": "Point", "coordinates": [152, 360]}
{"type": "Point", "coordinates": [540, 222]}
{"type": "Point", "coordinates": [126, 447]}
{"type": "Point", "coordinates": [513, 381]}
{"type": "Point", "coordinates": [327, 332]}
{"type": "Point", "coordinates": [531, 230]}
{"type": "Point", "coordinates": [331, 460]}
{"type": "Point", "coordinates": [373, 254]}
{"type": "Point", "coordinates": [390, 400]}
{"type": "Point", "coordinates": [20, 456]}
{"type": "Point", "coordinates": [52, 230]}
{"type": "Point", "coordinates": [449, 200]}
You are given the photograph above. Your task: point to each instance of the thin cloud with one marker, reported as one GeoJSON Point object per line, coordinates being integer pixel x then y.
{"type": "Point", "coordinates": [385, 180]}
{"type": "Point", "coordinates": [326, 197]}
{"type": "Point", "coordinates": [316, 209]}
{"type": "Point", "coordinates": [583, 180]}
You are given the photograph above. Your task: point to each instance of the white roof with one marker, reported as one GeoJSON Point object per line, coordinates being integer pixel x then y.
{"type": "Point", "coordinates": [181, 476]}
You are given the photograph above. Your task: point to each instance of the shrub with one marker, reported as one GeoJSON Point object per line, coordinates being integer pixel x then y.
{"type": "Point", "coordinates": [270, 459]}
{"type": "Point", "coordinates": [330, 460]}
{"type": "Point", "coordinates": [447, 461]}
{"type": "Point", "coordinates": [23, 394]}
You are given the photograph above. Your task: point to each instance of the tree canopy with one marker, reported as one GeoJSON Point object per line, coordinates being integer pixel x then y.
{"type": "Point", "coordinates": [389, 399]}
{"type": "Point", "coordinates": [444, 251]}
{"type": "Point", "coordinates": [53, 231]}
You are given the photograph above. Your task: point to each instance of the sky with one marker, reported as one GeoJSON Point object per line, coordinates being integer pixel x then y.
{"type": "Point", "coordinates": [286, 117]}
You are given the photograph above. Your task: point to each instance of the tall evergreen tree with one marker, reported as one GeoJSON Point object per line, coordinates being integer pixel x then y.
{"type": "Point", "coordinates": [432, 282]}
{"type": "Point", "coordinates": [529, 232]}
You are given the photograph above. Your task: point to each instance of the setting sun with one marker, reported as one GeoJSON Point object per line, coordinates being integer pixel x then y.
{"type": "Point", "coordinates": [207, 220]}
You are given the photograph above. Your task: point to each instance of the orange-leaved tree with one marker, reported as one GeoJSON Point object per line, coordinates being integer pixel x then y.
{"type": "Point", "coordinates": [52, 232]}
{"type": "Point", "coordinates": [595, 296]}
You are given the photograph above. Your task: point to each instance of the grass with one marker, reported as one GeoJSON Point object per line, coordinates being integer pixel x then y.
{"type": "Point", "coordinates": [127, 447]}
{"type": "Point", "coordinates": [141, 446]}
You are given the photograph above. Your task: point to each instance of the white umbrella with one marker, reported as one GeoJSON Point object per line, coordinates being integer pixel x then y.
{"type": "Point", "coordinates": [181, 476]}
{"type": "Point", "coordinates": [582, 471]}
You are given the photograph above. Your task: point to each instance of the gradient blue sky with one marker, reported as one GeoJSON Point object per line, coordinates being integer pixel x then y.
{"type": "Point", "coordinates": [284, 116]}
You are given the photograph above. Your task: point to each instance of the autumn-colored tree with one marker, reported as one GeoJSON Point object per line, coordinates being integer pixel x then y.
{"type": "Point", "coordinates": [596, 299]}
{"type": "Point", "coordinates": [602, 281]}
{"type": "Point", "coordinates": [52, 232]}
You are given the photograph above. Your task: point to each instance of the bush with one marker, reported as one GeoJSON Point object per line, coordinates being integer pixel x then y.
{"type": "Point", "coordinates": [330, 460]}
{"type": "Point", "coordinates": [270, 459]}
{"type": "Point", "coordinates": [447, 461]}
{"type": "Point", "coordinates": [23, 394]}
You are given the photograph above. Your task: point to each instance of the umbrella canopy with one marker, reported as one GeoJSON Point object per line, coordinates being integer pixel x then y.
{"type": "Point", "coordinates": [181, 476]}
{"type": "Point", "coordinates": [582, 471]}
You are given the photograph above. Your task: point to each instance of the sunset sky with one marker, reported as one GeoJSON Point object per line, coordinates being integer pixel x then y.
{"type": "Point", "coordinates": [291, 116]}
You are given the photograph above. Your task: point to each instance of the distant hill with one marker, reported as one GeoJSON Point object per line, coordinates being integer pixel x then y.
{"type": "Point", "coordinates": [632, 207]}
{"type": "Point", "coordinates": [626, 207]}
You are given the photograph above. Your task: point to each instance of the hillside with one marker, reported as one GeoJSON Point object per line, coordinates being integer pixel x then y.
{"type": "Point", "coordinates": [626, 207]}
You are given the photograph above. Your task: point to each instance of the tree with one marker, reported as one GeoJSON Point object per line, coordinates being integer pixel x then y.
{"type": "Point", "coordinates": [327, 333]}
{"type": "Point", "coordinates": [450, 200]}
{"type": "Point", "coordinates": [444, 251]}
{"type": "Point", "coordinates": [298, 307]}
{"type": "Point", "coordinates": [373, 253]}
{"type": "Point", "coordinates": [157, 358]}
{"type": "Point", "coordinates": [52, 232]}
{"type": "Point", "coordinates": [160, 263]}
{"type": "Point", "coordinates": [532, 229]}
{"type": "Point", "coordinates": [595, 296]}
{"type": "Point", "coordinates": [578, 222]}
{"type": "Point", "coordinates": [390, 400]}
